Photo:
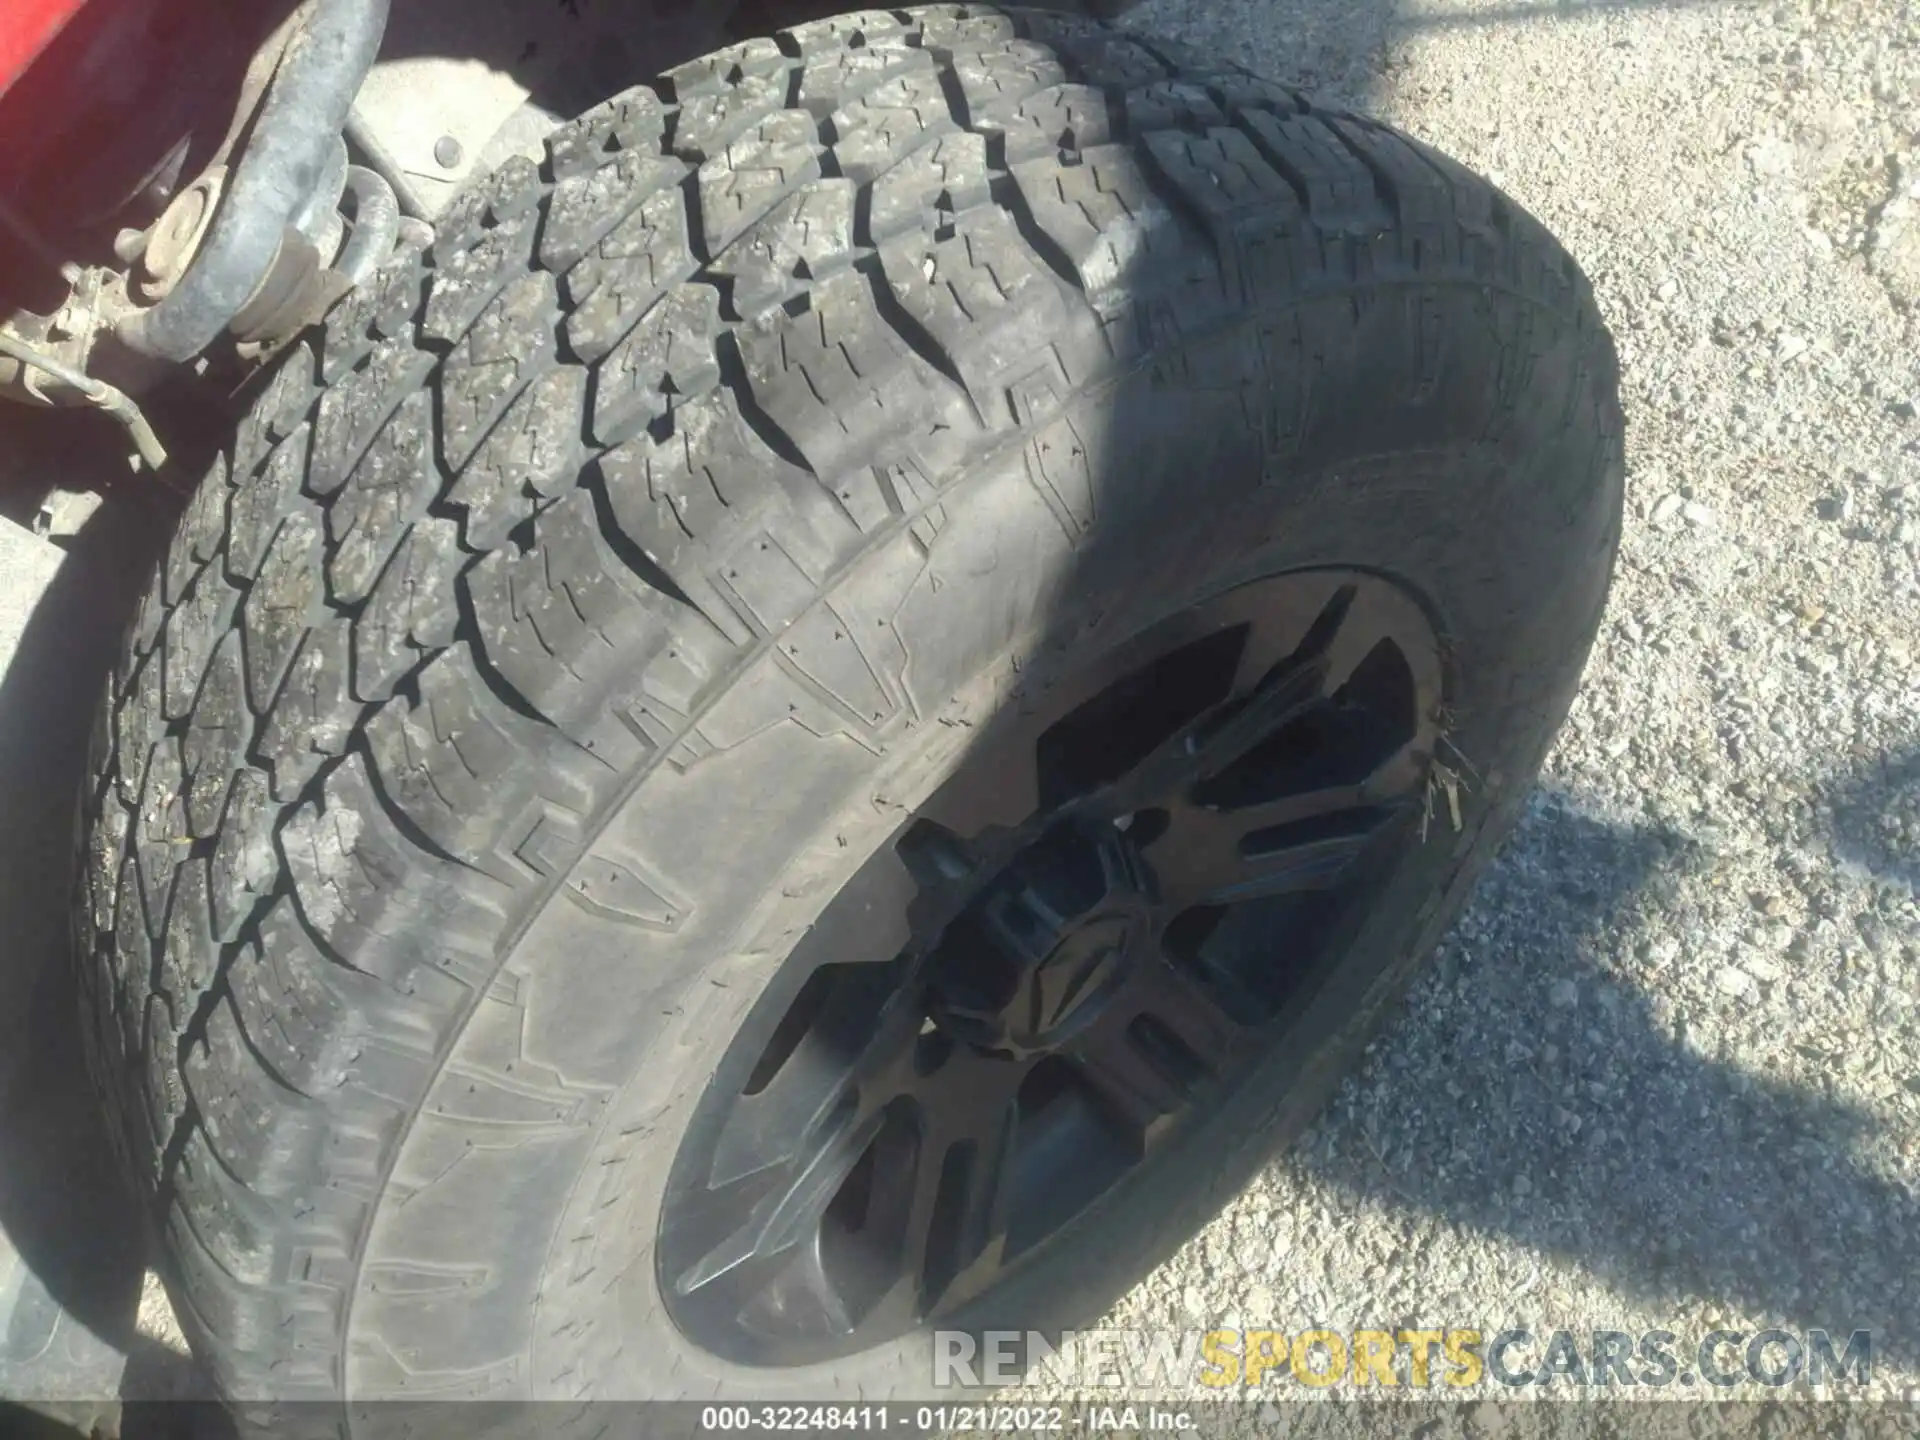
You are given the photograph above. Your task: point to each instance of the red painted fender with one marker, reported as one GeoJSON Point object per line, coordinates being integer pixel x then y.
{"type": "Point", "coordinates": [26, 28]}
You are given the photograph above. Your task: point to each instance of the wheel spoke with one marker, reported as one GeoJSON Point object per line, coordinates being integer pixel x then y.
{"type": "Point", "coordinates": [1190, 1012]}
{"type": "Point", "coordinates": [1266, 693]}
{"type": "Point", "coordinates": [1210, 857]}
{"type": "Point", "coordinates": [790, 1211]}
{"type": "Point", "coordinates": [1216, 743]}
{"type": "Point", "coordinates": [1293, 842]}
{"type": "Point", "coordinates": [974, 1232]}
{"type": "Point", "coordinates": [1153, 1056]}
{"type": "Point", "coordinates": [866, 923]}
{"type": "Point", "coordinates": [937, 1193]}
{"type": "Point", "coordinates": [835, 1040]}
{"type": "Point", "coordinates": [1396, 779]}
{"type": "Point", "coordinates": [1120, 1067]}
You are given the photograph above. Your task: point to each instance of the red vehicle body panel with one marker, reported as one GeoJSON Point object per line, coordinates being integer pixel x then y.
{"type": "Point", "coordinates": [26, 28]}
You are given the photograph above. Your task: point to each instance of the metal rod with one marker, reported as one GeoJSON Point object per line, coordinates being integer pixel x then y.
{"type": "Point", "coordinates": [114, 401]}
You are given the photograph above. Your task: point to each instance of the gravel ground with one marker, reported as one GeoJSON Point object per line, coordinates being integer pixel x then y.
{"type": "Point", "coordinates": [1666, 1072]}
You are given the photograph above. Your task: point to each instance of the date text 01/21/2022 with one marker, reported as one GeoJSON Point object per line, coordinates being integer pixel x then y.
{"type": "Point", "coordinates": [945, 1419]}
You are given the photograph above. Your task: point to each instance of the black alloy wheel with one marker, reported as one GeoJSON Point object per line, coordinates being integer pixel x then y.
{"type": "Point", "coordinates": [1086, 936]}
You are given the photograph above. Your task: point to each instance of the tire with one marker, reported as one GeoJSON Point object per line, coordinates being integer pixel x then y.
{"type": "Point", "coordinates": [569, 620]}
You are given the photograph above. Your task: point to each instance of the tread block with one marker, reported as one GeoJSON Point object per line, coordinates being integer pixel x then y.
{"type": "Point", "coordinates": [161, 839]}
{"type": "Point", "coordinates": [1245, 203]}
{"type": "Point", "coordinates": [667, 356]}
{"type": "Point", "coordinates": [192, 630]}
{"type": "Point", "coordinates": [995, 82]}
{"type": "Point", "coordinates": [1420, 195]}
{"type": "Point", "coordinates": [413, 608]}
{"type": "Point", "coordinates": [263, 1134]}
{"type": "Point", "coordinates": [162, 1089]}
{"type": "Point", "coordinates": [803, 237]}
{"type": "Point", "coordinates": [1060, 118]}
{"type": "Point", "coordinates": [533, 453]}
{"type": "Point", "coordinates": [835, 377]}
{"type": "Point", "coordinates": [846, 34]}
{"type": "Point", "coordinates": [131, 953]}
{"type": "Point", "coordinates": [467, 279]}
{"type": "Point", "coordinates": [963, 27]}
{"type": "Point", "coordinates": [222, 1244]}
{"type": "Point", "coordinates": [260, 502]}
{"type": "Point", "coordinates": [587, 205]}
{"type": "Point", "coordinates": [625, 274]}
{"type": "Point", "coordinates": [283, 602]}
{"type": "Point", "coordinates": [315, 712]}
{"type": "Point", "coordinates": [106, 842]}
{"type": "Point", "coordinates": [943, 177]}
{"type": "Point", "coordinates": [764, 165]}
{"type": "Point", "coordinates": [627, 125]}
{"type": "Point", "coordinates": [836, 76]}
{"type": "Point", "coordinates": [875, 130]}
{"type": "Point", "coordinates": [362, 885]}
{"type": "Point", "coordinates": [218, 732]}
{"type": "Point", "coordinates": [188, 955]}
{"type": "Point", "coordinates": [457, 230]}
{"type": "Point", "coordinates": [511, 342]}
{"type": "Point", "coordinates": [441, 753]}
{"type": "Point", "coordinates": [282, 403]}
{"type": "Point", "coordinates": [1108, 222]}
{"type": "Point", "coordinates": [303, 1014]}
{"type": "Point", "coordinates": [147, 620]}
{"type": "Point", "coordinates": [356, 408]}
{"type": "Point", "coordinates": [203, 525]}
{"type": "Point", "coordinates": [1171, 104]}
{"type": "Point", "coordinates": [1339, 188]}
{"type": "Point", "coordinates": [727, 67]}
{"type": "Point", "coordinates": [1236, 90]}
{"type": "Point", "coordinates": [1095, 54]}
{"type": "Point", "coordinates": [136, 725]}
{"type": "Point", "coordinates": [550, 617]}
{"type": "Point", "coordinates": [513, 193]}
{"type": "Point", "coordinates": [707, 124]}
{"type": "Point", "coordinates": [382, 309]}
{"type": "Point", "coordinates": [245, 864]}
{"type": "Point", "coordinates": [985, 300]}
{"type": "Point", "coordinates": [670, 497]}
{"type": "Point", "coordinates": [390, 487]}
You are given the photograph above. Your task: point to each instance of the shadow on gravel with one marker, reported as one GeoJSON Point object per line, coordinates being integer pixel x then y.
{"type": "Point", "coordinates": [1582, 1124]}
{"type": "Point", "coordinates": [1859, 814]}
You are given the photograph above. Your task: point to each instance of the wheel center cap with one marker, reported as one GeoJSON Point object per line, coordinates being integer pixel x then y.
{"type": "Point", "coordinates": [1044, 948]}
{"type": "Point", "coordinates": [1067, 986]}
